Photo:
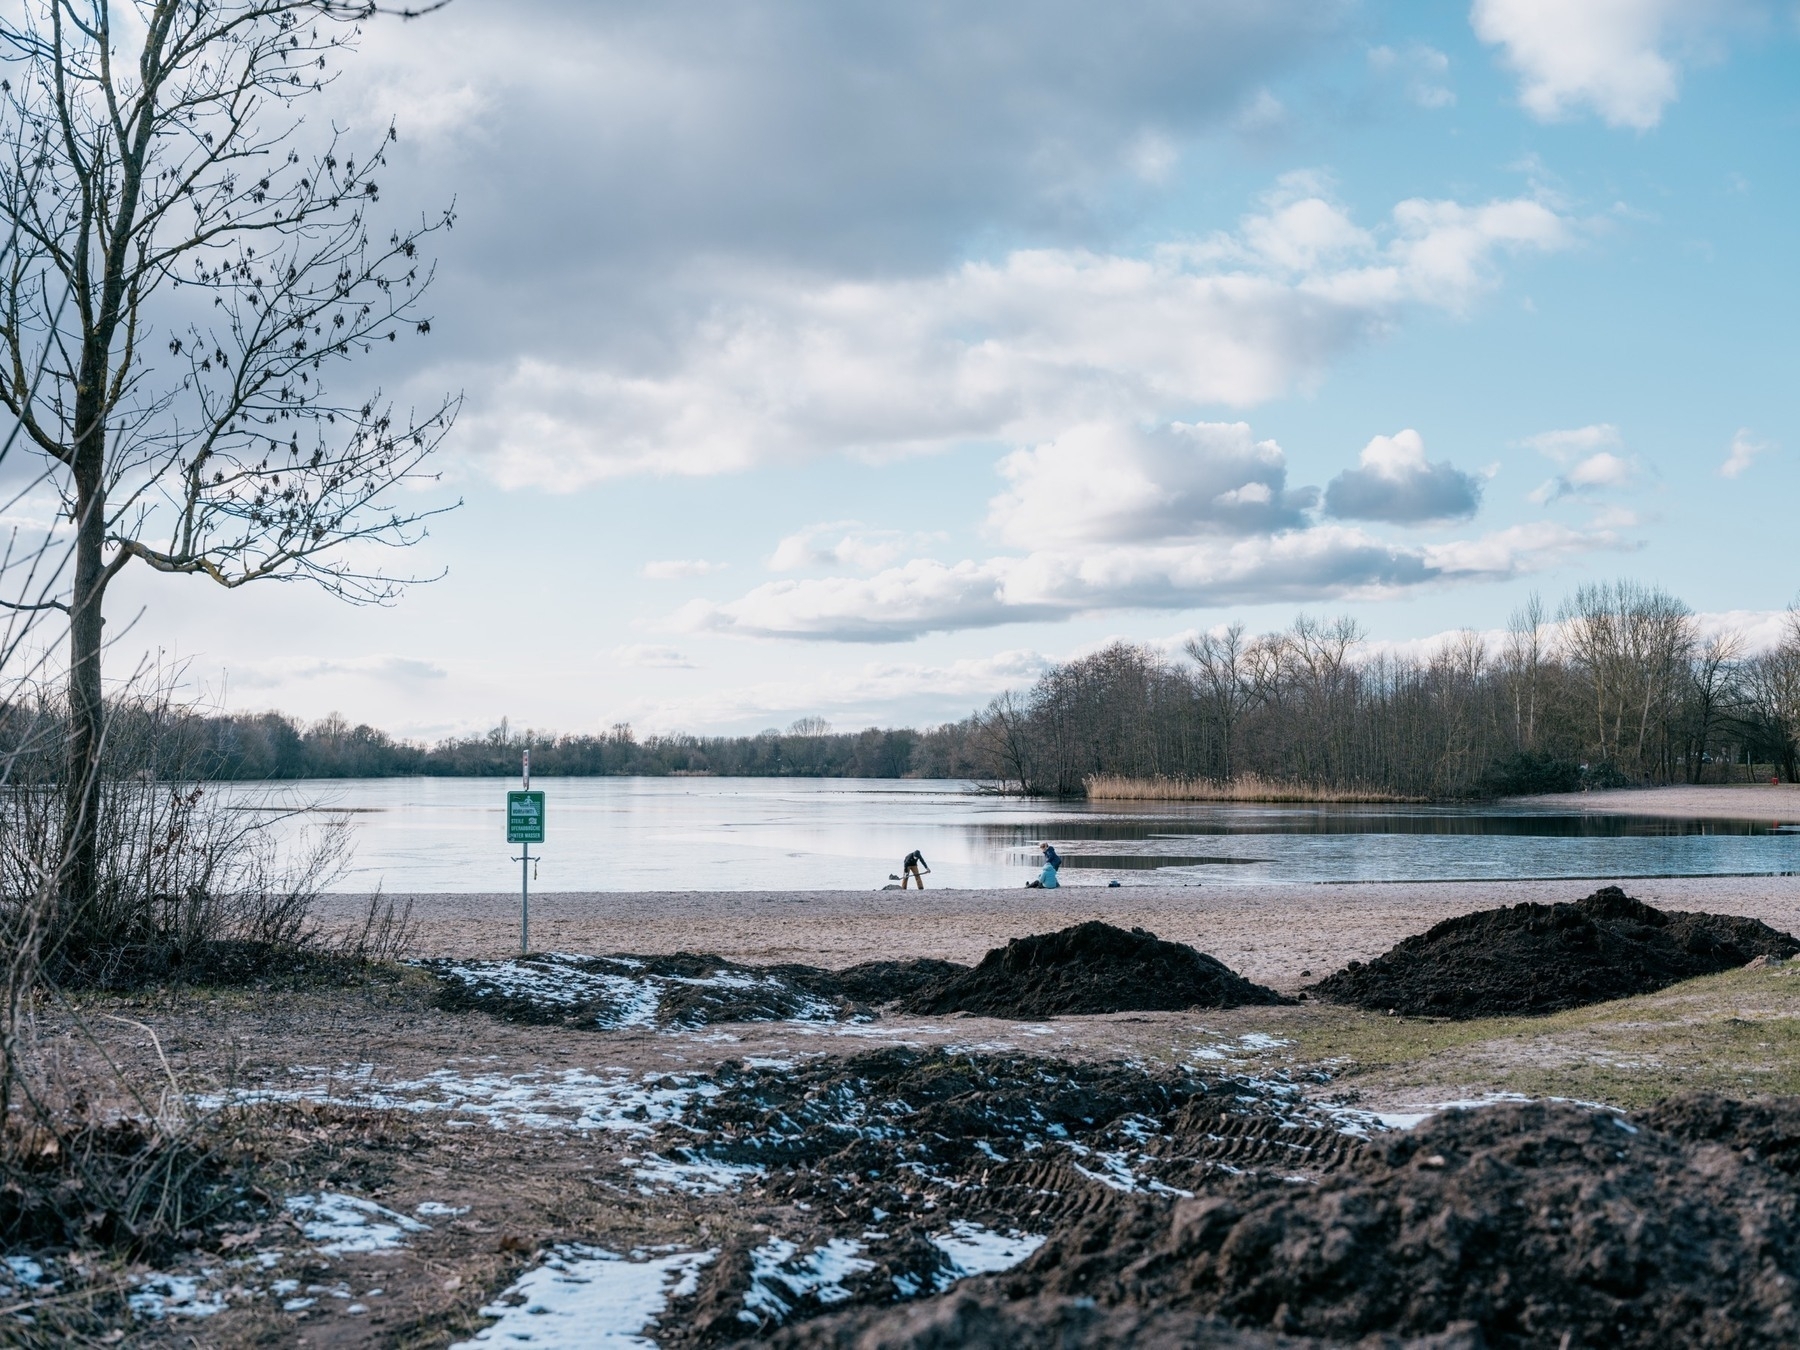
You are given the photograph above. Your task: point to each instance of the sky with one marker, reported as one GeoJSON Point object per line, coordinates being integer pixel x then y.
{"type": "Point", "coordinates": [858, 361]}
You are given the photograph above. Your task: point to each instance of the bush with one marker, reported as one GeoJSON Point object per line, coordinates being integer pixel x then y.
{"type": "Point", "coordinates": [1528, 772]}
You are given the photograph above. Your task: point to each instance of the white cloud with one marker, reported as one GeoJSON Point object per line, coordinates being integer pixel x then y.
{"type": "Point", "coordinates": [1562, 446]}
{"type": "Point", "coordinates": [1301, 566]}
{"type": "Point", "coordinates": [677, 569]}
{"type": "Point", "coordinates": [1590, 454]}
{"type": "Point", "coordinates": [1106, 483]}
{"type": "Point", "coordinates": [1608, 55]}
{"type": "Point", "coordinates": [1017, 349]}
{"type": "Point", "coordinates": [855, 545]}
{"type": "Point", "coordinates": [1420, 70]}
{"type": "Point", "coordinates": [651, 657]}
{"type": "Point", "coordinates": [1745, 447]}
{"type": "Point", "coordinates": [1394, 482]}
{"type": "Point", "coordinates": [864, 695]}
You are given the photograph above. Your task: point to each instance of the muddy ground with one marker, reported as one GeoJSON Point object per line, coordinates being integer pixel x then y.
{"type": "Point", "coordinates": [810, 1171]}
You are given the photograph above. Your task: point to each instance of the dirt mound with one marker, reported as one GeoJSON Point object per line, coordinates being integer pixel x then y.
{"type": "Point", "coordinates": [1768, 1131]}
{"type": "Point", "coordinates": [1513, 1226]}
{"type": "Point", "coordinates": [879, 982]}
{"type": "Point", "coordinates": [687, 989]}
{"type": "Point", "coordinates": [1092, 968]}
{"type": "Point", "coordinates": [1532, 958]}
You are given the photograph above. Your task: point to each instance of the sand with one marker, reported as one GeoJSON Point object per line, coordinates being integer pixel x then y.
{"type": "Point", "coordinates": [1738, 801]}
{"type": "Point", "coordinates": [1282, 936]}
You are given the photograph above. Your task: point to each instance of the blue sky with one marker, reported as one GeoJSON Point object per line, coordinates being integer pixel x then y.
{"type": "Point", "coordinates": [857, 361]}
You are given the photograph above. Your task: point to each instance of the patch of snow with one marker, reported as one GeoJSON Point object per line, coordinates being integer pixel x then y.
{"type": "Point", "coordinates": [572, 1099]}
{"type": "Point", "coordinates": [585, 1298]}
{"type": "Point", "coordinates": [25, 1272]}
{"type": "Point", "coordinates": [780, 1278]}
{"type": "Point", "coordinates": [975, 1250]}
{"type": "Point", "coordinates": [704, 1176]}
{"type": "Point", "coordinates": [159, 1296]}
{"type": "Point", "coordinates": [348, 1223]}
{"type": "Point", "coordinates": [555, 979]}
{"type": "Point", "coordinates": [434, 1209]}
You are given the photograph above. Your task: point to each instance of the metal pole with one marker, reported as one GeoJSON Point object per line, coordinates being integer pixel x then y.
{"type": "Point", "coordinates": [525, 877]}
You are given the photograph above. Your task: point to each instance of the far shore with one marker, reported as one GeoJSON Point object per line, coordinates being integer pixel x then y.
{"type": "Point", "coordinates": [1734, 801]}
{"type": "Point", "coordinates": [1284, 936]}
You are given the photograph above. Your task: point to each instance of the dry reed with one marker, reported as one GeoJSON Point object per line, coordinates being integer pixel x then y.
{"type": "Point", "coordinates": [1113, 787]}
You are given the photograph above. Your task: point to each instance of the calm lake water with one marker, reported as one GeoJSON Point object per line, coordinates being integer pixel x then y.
{"type": "Point", "coordinates": [635, 834]}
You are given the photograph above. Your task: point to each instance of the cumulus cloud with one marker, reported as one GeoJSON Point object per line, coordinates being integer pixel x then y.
{"type": "Point", "coordinates": [1591, 454]}
{"type": "Point", "coordinates": [1101, 482]}
{"type": "Point", "coordinates": [1612, 56]}
{"type": "Point", "coordinates": [1018, 349]}
{"type": "Point", "coordinates": [844, 543]}
{"type": "Point", "coordinates": [1745, 447]}
{"type": "Point", "coordinates": [1299, 566]}
{"type": "Point", "coordinates": [1394, 482]}
{"type": "Point", "coordinates": [677, 569]}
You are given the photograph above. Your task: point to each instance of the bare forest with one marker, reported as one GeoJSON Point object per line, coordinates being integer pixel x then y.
{"type": "Point", "coordinates": [1618, 686]}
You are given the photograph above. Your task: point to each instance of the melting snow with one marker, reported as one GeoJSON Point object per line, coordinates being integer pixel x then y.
{"type": "Point", "coordinates": [569, 1100]}
{"type": "Point", "coordinates": [584, 1298]}
{"type": "Point", "coordinates": [348, 1223]}
{"type": "Point", "coordinates": [25, 1272]}
{"type": "Point", "coordinates": [779, 1278]}
{"type": "Point", "coordinates": [703, 1176]}
{"type": "Point", "coordinates": [975, 1250]}
{"type": "Point", "coordinates": [160, 1296]}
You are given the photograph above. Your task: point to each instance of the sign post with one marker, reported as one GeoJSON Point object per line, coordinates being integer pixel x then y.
{"type": "Point", "coordinates": [525, 825]}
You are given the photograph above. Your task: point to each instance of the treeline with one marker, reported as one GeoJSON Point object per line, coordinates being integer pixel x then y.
{"type": "Point", "coordinates": [1618, 687]}
{"type": "Point", "coordinates": [272, 746]}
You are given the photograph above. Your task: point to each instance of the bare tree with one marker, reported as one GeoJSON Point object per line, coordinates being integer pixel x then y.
{"type": "Point", "coordinates": [215, 274]}
{"type": "Point", "coordinates": [1228, 684]}
{"type": "Point", "coordinates": [1524, 657]}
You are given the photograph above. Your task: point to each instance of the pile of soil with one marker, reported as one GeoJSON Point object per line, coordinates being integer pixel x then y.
{"type": "Point", "coordinates": [1092, 968]}
{"type": "Point", "coordinates": [1512, 1226]}
{"type": "Point", "coordinates": [1533, 958]}
{"type": "Point", "coordinates": [1765, 1131]}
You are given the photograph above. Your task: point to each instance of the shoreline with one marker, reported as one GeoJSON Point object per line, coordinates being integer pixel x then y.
{"type": "Point", "coordinates": [1283, 936]}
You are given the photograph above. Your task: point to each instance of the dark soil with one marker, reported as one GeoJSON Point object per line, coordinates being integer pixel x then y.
{"type": "Point", "coordinates": [890, 1147]}
{"type": "Point", "coordinates": [1532, 958]}
{"type": "Point", "coordinates": [1092, 968]}
{"type": "Point", "coordinates": [1766, 1131]}
{"type": "Point", "coordinates": [1509, 1227]}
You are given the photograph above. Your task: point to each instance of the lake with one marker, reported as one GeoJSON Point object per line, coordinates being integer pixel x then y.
{"type": "Point", "coordinates": [648, 834]}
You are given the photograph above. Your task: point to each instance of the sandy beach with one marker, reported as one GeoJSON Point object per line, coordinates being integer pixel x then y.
{"type": "Point", "coordinates": [1272, 934]}
{"type": "Point", "coordinates": [1774, 802]}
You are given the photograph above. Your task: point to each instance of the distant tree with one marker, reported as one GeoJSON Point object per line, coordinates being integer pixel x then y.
{"type": "Point", "coordinates": [195, 261]}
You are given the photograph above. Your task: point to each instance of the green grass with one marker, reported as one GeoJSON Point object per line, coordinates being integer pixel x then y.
{"type": "Point", "coordinates": [1737, 1033]}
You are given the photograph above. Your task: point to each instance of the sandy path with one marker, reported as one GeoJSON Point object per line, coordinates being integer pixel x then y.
{"type": "Point", "coordinates": [1761, 801]}
{"type": "Point", "coordinates": [1272, 934]}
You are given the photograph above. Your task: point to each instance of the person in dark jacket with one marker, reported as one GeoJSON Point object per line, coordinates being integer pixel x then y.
{"type": "Point", "coordinates": [909, 870]}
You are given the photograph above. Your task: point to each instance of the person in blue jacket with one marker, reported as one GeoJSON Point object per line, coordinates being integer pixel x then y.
{"type": "Point", "coordinates": [1052, 864]}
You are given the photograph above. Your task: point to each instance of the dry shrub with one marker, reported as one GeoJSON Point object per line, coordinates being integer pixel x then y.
{"type": "Point", "coordinates": [1112, 787]}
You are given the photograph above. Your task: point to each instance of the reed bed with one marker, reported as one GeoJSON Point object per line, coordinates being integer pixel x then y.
{"type": "Point", "coordinates": [1112, 787]}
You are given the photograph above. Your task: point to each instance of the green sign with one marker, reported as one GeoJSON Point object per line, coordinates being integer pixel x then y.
{"type": "Point", "coordinates": [524, 817]}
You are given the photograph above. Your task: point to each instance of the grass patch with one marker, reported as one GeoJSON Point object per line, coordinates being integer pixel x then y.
{"type": "Point", "coordinates": [1736, 1033]}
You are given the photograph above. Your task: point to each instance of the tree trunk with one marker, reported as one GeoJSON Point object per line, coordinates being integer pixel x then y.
{"type": "Point", "coordinates": [80, 880]}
